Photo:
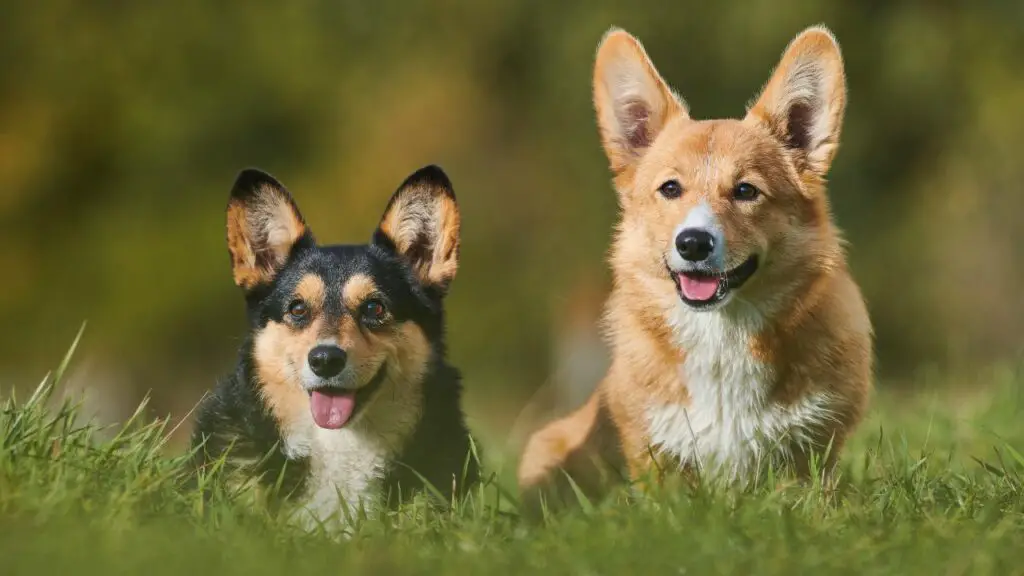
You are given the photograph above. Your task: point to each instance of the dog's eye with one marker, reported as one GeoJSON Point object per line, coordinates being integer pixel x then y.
{"type": "Point", "coordinates": [298, 309]}
{"type": "Point", "coordinates": [745, 191]}
{"type": "Point", "coordinates": [671, 189]}
{"type": "Point", "coordinates": [374, 312]}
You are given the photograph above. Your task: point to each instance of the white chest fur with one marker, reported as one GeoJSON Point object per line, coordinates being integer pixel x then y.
{"type": "Point", "coordinates": [347, 466]}
{"type": "Point", "coordinates": [730, 426]}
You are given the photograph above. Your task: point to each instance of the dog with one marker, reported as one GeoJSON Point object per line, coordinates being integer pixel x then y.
{"type": "Point", "coordinates": [341, 398]}
{"type": "Point", "coordinates": [738, 336]}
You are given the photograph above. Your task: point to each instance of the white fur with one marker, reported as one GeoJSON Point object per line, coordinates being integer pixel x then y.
{"type": "Point", "coordinates": [347, 465]}
{"type": "Point", "coordinates": [730, 425]}
{"type": "Point", "coordinates": [701, 217]}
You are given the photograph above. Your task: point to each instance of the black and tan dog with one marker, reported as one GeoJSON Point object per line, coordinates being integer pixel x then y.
{"type": "Point", "coordinates": [342, 393]}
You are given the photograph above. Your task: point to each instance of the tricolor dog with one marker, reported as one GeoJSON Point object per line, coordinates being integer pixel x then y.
{"type": "Point", "coordinates": [342, 393]}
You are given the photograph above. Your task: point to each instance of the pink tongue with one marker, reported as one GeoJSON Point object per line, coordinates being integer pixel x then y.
{"type": "Point", "coordinates": [698, 289]}
{"type": "Point", "coordinates": [332, 411]}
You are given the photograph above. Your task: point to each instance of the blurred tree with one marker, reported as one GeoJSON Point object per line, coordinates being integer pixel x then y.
{"type": "Point", "coordinates": [123, 124]}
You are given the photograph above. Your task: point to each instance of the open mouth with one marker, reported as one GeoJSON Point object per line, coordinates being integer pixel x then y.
{"type": "Point", "coordinates": [333, 407]}
{"type": "Point", "coordinates": [700, 289]}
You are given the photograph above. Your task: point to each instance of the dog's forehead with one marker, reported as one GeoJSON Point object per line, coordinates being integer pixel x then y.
{"type": "Point", "coordinates": [710, 155]}
{"type": "Point", "coordinates": [709, 149]}
{"type": "Point", "coordinates": [328, 270]}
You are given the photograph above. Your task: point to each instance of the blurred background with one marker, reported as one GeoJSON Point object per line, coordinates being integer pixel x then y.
{"type": "Point", "coordinates": [123, 125]}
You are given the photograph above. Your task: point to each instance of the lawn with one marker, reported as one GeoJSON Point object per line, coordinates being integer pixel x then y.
{"type": "Point", "coordinates": [932, 484]}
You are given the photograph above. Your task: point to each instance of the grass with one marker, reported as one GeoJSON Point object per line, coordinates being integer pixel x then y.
{"type": "Point", "coordinates": [932, 484]}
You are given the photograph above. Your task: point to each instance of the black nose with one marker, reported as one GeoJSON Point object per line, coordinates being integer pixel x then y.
{"type": "Point", "coordinates": [327, 361]}
{"type": "Point", "coordinates": [695, 245]}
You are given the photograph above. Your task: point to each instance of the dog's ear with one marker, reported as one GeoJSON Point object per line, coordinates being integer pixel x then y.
{"type": "Point", "coordinates": [802, 104]}
{"type": "Point", "coordinates": [264, 226]}
{"type": "Point", "coordinates": [421, 225]}
{"type": "Point", "coordinates": [633, 102]}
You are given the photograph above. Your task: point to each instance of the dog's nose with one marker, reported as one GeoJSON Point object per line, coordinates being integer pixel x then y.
{"type": "Point", "coordinates": [327, 361]}
{"type": "Point", "coordinates": [695, 245]}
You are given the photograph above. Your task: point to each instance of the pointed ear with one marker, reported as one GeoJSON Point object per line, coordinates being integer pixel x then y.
{"type": "Point", "coordinates": [633, 103]}
{"type": "Point", "coordinates": [802, 104]}
{"type": "Point", "coordinates": [264, 225]}
{"type": "Point", "coordinates": [421, 225]}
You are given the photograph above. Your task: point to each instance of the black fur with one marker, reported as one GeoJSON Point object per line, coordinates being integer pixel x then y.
{"type": "Point", "coordinates": [234, 420]}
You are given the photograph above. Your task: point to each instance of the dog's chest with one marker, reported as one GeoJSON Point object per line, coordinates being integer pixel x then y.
{"type": "Point", "coordinates": [730, 424]}
{"type": "Point", "coordinates": [348, 466]}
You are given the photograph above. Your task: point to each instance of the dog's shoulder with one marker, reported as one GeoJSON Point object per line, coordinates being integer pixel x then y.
{"type": "Point", "coordinates": [440, 450]}
{"type": "Point", "coordinates": [235, 430]}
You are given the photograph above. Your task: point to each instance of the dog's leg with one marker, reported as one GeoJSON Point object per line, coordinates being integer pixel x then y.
{"type": "Point", "coordinates": [582, 446]}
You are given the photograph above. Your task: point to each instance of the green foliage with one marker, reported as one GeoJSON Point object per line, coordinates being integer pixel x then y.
{"type": "Point", "coordinates": [922, 491]}
{"type": "Point", "coordinates": [124, 124]}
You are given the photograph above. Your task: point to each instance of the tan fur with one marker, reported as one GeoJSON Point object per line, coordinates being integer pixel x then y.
{"type": "Point", "coordinates": [424, 225]}
{"type": "Point", "coordinates": [280, 351]}
{"type": "Point", "coordinates": [260, 236]}
{"type": "Point", "coordinates": [358, 288]}
{"type": "Point", "coordinates": [311, 290]}
{"type": "Point", "coordinates": [803, 329]}
{"type": "Point", "coordinates": [558, 442]}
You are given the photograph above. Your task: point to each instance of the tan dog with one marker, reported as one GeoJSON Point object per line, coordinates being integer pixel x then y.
{"type": "Point", "coordinates": [738, 336]}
